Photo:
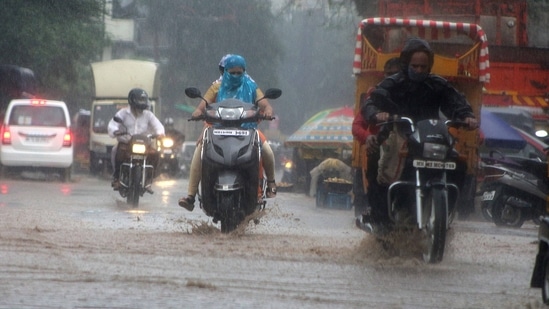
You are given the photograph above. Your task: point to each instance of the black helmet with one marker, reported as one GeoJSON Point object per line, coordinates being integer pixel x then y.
{"type": "Point", "coordinates": [138, 98]}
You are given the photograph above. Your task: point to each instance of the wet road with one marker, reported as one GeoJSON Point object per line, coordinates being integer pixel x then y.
{"type": "Point", "coordinates": [78, 245]}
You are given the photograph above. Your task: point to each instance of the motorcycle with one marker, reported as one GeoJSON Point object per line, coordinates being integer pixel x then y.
{"type": "Point", "coordinates": [168, 157]}
{"type": "Point", "coordinates": [136, 173]}
{"type": "Point", "coordinates": [231, 157]}
{"type": "Point", "coordinates": [513, 190]}
{"type": "Point", "coordinates": [423, 197]}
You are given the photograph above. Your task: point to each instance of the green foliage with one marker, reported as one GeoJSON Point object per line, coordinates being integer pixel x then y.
{"type": "Point", "coordinates": [57, 40]}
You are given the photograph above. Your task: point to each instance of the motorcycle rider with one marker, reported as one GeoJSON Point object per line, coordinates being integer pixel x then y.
{"type": "Point", "coordinates": [171, 131]}
{"type": "Point", "coordinates": [136, 119]}
{"type": "Point", "coordinates": [417, 94]}
{"type": "Point", "coordinates": [234, 83]}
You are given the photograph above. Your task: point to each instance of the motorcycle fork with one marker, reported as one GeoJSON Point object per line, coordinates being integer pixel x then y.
{"type": "Point", "coordinates": [419, 201]}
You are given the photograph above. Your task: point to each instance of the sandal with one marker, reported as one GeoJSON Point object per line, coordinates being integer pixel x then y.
{"type": "Point", "coordinates": [271, 189]}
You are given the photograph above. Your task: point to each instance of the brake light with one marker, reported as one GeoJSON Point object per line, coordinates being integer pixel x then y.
{"type": "Point", "coordinates": [67, 138]}
{"type": "Point", "coordinates": [6, 135]}
{"type": "Point", "coordinates": [38, 102]}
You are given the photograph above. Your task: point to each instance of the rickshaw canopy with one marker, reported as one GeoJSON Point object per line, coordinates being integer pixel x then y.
{"type": "Point", "coordinates": [461, 49]}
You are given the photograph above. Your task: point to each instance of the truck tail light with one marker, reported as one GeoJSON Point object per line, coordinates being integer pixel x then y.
{"type": "Point", "coordinates": [6, 135]}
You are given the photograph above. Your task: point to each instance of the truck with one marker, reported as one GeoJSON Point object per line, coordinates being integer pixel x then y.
{"type": "Point", "coordinates": [113, 80]}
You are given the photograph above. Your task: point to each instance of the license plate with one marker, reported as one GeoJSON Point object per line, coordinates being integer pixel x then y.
{"type": "Point", "coordinates": [167, 151]}
{"type": "Point", "coordinates": [435, 165]}
{"type": "Point", "coordinates": [37, 139]}
{"type": "Point", "coordinates": [488, 195]}
{"type": "Point", "coordinates": [231, 132]}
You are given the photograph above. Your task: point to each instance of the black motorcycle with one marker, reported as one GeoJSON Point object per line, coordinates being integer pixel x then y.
{"type": "Point", "coordinates": [423, 197]}
{"type": "Point", "coordinates": [231, 157]}
{"type": "Point", "coordinates": [513, 189]}
{"type": "Point", "coordinates": [136, 172]}
{"type": "Point", "coordinates": [168, 163]}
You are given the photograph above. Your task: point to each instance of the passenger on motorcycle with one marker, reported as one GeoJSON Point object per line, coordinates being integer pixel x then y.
{"type": "Point", "coordinates": [136, 119]}
{"type": "Point", "coordinates": [417, 94]}
{"type": "Point", "coordinates": [235, 83]}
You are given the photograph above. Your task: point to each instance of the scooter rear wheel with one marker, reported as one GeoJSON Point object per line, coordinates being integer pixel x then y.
{"type": "Point", "coordinates": [507, 215]}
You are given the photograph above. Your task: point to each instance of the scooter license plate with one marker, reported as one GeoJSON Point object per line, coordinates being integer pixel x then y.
{"type": "Point", "coordinates": [225, 132]}
{"type": "Point", "coordinates": [488, 195]}
{"type": "Point", "coordinates": [435, 164]}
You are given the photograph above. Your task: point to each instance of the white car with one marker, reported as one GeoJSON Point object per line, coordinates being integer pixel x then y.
{"type": "Point", "coordinates": [36, 133]}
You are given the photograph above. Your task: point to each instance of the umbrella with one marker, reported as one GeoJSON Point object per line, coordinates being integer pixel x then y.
{"type": "Point", "coordinates": [498, 133]}
{"type": "Point", "coordinates": [328, 129]}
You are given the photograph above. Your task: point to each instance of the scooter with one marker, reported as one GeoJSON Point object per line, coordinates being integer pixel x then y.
{"type": "Point", "coordinates": [231, 156]}
{"type": "Point", "coordinates": [513, 190]}
{"type": "Point", "coordinates": [422, 197]}
{"type": "Point", "coordinates": [136, 172]}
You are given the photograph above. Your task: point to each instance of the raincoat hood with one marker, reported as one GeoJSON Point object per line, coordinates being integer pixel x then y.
{"type": "Point", "coordinates": [414, 45]}
{"type": "Point", "coordinates": [240, 86]}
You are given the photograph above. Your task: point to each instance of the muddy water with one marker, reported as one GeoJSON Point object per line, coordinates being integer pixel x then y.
{"type": "Point", "coordinates": [81, 246]}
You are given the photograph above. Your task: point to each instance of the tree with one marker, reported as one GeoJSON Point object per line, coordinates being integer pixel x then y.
{"type": "Point", "coordinates": [57, 40]}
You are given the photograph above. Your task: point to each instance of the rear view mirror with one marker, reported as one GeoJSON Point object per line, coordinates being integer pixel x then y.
{"type": "Point", "coordinates": [193, 93]}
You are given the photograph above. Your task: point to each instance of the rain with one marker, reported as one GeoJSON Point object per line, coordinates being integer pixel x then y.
{"type": "Point", "coordinates": [78, 244]}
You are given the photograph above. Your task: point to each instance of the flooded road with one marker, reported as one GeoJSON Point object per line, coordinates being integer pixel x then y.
{"type": "Point", "coordinates": [79, 245]}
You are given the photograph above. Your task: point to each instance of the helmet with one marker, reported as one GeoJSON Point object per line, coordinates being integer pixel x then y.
{"type": "Point", "coordinates": [138, 98]}
{"type": "Point", "coordinates": [222, 63]}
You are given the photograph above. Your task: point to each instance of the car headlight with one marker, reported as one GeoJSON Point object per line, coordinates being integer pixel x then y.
{"type": "Point", "coordinates": [434, 151]}
{"type": "Point", "coordinates": [139, 148]}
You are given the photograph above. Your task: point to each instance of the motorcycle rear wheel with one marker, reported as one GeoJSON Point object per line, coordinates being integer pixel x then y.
{"type": "Point", "coordinates": [435, 214]}
{"type": "Point", "coordinates": [134, 189]}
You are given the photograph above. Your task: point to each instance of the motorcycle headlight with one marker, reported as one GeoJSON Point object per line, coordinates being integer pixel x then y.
{"type": "Point", "coordinates": [167, 142]}
{"type": "Point", "coordinates": [230, 113]}
{"type": "Point", "coordinates": [434, 151]}
{"type": "Point", "coordinates": [139, 148]}
{"type": "Point", "coordinates": [288, 165]}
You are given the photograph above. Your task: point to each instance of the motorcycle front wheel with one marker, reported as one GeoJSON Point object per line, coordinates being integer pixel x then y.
{"type": "Point", "coordinates": [435, 214]}
{"type": "Point", "coordinates": [134, 188]}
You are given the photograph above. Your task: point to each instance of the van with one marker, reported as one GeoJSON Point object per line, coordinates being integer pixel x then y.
{"type": "Point", "coordinates": [37, 133]}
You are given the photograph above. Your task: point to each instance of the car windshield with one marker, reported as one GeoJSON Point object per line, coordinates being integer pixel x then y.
{"type": "Point", "coordinates": [27, 115]}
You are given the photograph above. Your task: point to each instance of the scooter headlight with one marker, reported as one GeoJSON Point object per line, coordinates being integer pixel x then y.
{"type": "Point", "coordinates": [230, 113]}
{"type": "Point", "coordinates": [434, 151]}
{"type": "Point", "coordinates": [139, 148]}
